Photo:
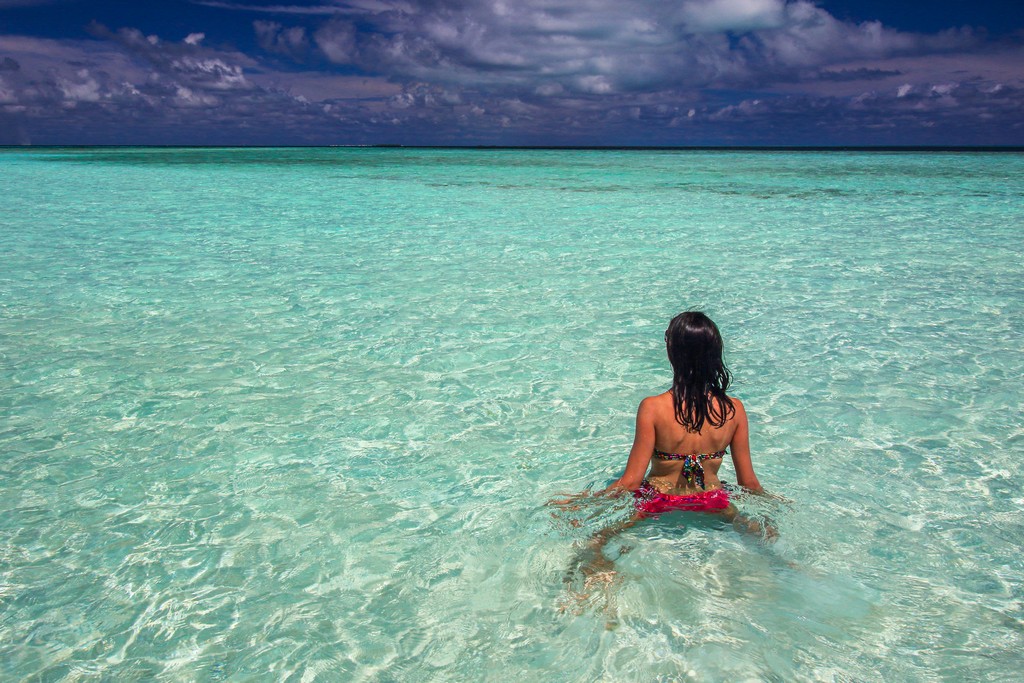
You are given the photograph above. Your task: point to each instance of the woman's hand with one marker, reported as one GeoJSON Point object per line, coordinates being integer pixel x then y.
{"type": "Point", "coordinates": [572, 501]}
{"type": "Point", "coordinates": [770, 496]}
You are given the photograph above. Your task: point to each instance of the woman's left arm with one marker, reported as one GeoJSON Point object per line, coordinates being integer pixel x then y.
{"type": "Point", "coordinates": [641, 453]}
{"type": "Point", "coordinates": [740, 449]}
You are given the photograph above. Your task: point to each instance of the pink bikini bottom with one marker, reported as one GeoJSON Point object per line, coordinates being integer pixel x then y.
{"type": "Point", "coordinates": [650, 501]}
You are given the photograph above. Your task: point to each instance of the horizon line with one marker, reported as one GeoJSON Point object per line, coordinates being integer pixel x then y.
{"type": "Point", "coordinates": [744, 148]}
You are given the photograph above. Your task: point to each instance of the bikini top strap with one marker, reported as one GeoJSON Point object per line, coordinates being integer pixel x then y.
{"type": "Point", "coordinates": [693, 470]}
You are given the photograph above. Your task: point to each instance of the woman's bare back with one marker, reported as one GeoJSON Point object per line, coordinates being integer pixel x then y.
{"type": "Point", "coordinates": [667, 474]}
{"type": "Point", "coordinates": [659, 430]}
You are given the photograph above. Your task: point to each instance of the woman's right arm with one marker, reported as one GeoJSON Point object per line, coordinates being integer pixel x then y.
{"type": "Point", "coordinates": [740, 449]}
{"type": "Point", "coordinates": [642, 451]}
{"type": "Point", "coordinates": [636, 466]}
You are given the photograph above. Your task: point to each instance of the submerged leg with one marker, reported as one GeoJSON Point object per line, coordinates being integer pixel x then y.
{"type": "Point", "coordinates": [590, 559]}
{"type": "Point", "coordinates": [591, 569]}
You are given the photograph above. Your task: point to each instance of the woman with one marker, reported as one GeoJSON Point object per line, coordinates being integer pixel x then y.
{"type": "Point", "coordinates": [681, 439]}
{"type": "Point", "coordinates": [683, 433]}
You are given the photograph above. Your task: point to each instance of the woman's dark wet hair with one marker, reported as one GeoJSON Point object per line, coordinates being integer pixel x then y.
{"type": "Point", "coordinates": [700, 377]}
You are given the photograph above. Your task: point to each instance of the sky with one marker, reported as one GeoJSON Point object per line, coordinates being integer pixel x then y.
{"type": "Point", "coordinates": [512, 72]}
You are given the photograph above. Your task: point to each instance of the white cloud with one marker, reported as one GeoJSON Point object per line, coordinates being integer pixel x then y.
{"type": "Point", "coordinates": [7, 96]}
{"type": "Point", "coordinates": [319, 86]}
{"type": "Point", "coordinates": [273, 37]}
{"type": "Point", "coordinates": [733, 15]}
{"type": "Point", "coordinates": [188, 98]}
{"type": "Point", "coordinates": [340, 7]}
{"type": "Point", "coordinates": [83, 89]}
{"type": "Point", "coordinates": [337, 40]}
{"type": "Point", "coordinates": [598, 85]}
{"type": "Point", "coordinates": [530, 65]}
{"type": "Point", "coordinates": [211, 73]}
{"type": "Point", "coordinates": [608, 47]}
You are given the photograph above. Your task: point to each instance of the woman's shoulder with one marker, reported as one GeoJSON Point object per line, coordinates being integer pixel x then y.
{"type": "Point", "coordinates": [657, 401]}
{"type": "Point", "coordinates": [657, 406]}
{"type": "Point", "coordinates": [737, 407]}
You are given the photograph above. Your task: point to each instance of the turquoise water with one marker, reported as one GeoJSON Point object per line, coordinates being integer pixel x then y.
{"type": "Point", "coordinates": [294, 414]}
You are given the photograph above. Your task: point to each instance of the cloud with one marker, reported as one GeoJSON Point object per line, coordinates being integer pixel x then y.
{"type": "Point", "coordinates": [102, 91]}
{"type": "Point", "coordinates": [530, 72]}
{"type": "Point", "coordinates": [337, 40]}
{"type": "Point", "coordinates": [84, 88]}
{"type": "Point", "coordinates": [738, 16]}
{"type": "Point", "coordinates": [270, 9]}
{"type": "Point", "coordinates": [187, 62]}
{"type": "Point", "coordinates": [610, 47]}
{"type": "Point", "coordinates": [214, 74]}
{"type": "Point", "coordinates": [126, 87]}
{"type": "Point", "coordinates": [905, 115]}
{"type": "Point", "coordinates": [341, 7]}
{"type": "Point", "coordinates": [861, 74]}
{"type": "Point", "coordinates": [275, 38]}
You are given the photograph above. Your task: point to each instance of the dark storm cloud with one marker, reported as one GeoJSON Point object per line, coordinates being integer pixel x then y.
{"type": "Point", "coordinates": [526, 72]}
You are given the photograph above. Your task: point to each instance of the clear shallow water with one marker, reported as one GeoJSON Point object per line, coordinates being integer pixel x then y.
{"type": "Point", "coordinates": [294, 414]}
